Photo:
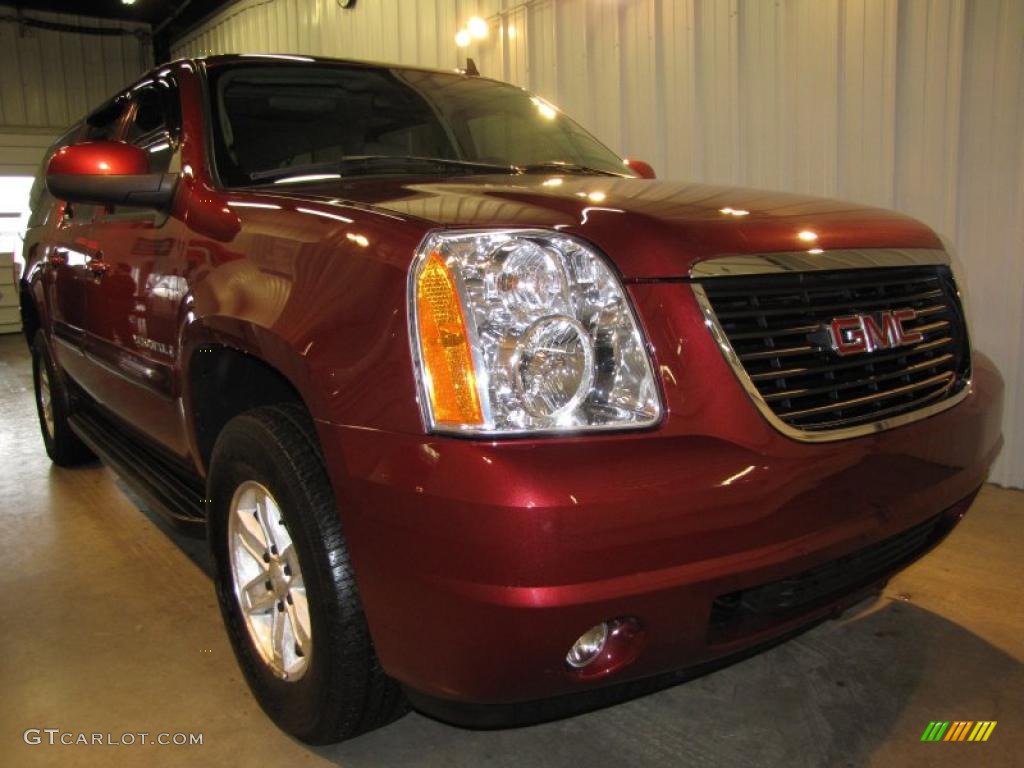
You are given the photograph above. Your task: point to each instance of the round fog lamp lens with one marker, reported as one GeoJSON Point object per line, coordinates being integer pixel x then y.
{"type": "Point", "coordinates": [554, 366]}
{"type": "Point", "coordinates": [588, 647]}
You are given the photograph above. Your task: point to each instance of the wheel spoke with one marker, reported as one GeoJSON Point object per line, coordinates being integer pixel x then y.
{"type": "Point", "coordinates": [258, 598]}
{"type": "Point", "coordinates": [269, 519]}
{"type": "Point", "coordinates": [46, 398]}
{"type": "Point", "coordinates": [298, 617]}
{"type": "Point", "coordinates": [277, 638]}
{"type": "Point", "coordinates": [251, 537]}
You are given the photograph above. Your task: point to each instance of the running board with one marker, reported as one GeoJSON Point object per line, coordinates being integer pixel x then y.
{"type": "Point", "coordinates": [167, 488]}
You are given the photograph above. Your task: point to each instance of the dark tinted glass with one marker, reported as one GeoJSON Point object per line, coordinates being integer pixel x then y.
{"type": "Point", "coordinates": [156, 123]}
{"type": "Point", "coordinates": [102, 124]}
{"type": "Point", "coordinates": [297, 115]}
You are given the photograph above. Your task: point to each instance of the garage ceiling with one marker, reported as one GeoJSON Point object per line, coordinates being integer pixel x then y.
{"type": "Point", "coordinates": [168, 18]}
{"type": "Point", "coordinates": [185, 13]}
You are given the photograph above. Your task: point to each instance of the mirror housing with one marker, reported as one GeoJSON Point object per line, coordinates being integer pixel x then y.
{"type": "Point", "coordinates": [641, 169]}
{"type": "Point", "coordinates": [108, 173]}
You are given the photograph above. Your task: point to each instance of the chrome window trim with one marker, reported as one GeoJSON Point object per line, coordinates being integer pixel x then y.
{"type": "Point", "coordinates": [731, 266]}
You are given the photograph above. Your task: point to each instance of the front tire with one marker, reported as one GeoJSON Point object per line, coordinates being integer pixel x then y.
{"type": "Point", "coordinates": [53, 404]}
{"type": "Point", "coordinates": [285, 584]}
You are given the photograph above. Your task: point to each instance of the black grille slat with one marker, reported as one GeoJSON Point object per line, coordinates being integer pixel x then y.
{"type": "Point", "coordinates": [779, 600]}
{"type": "Point", "coordinates": [774, 323]}
{"type": "Point", "coordinates": [850, 421]}
{"type": "Point", "coordinates": [936, 381]}
{"type": "Point", "coordinates": [841, 386]}
{"type": "Point", "coordinates": [878, 359]}
{"type": "Point", "coordinates": [831, 309]}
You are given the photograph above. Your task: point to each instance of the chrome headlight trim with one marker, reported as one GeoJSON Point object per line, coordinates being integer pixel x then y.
{"type": "Point", "coordinates": [423, 251]}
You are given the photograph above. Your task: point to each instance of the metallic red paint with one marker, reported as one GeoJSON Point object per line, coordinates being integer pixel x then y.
{"type": "Point", "coordinates": [480, 562]}
{"type": "Point", "coordinates": [99, 158]}
{"type": "Point", "coordinates": [649, 229]}
{"type": "Point", "coordinates": [642, 168]}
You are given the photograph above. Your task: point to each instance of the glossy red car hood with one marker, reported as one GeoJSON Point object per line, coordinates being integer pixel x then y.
{"type": "Point", "coordinates": [649, 229]}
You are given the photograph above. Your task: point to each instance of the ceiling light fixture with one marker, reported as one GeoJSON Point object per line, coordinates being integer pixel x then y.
{"type": "Point", "coordinates": [478, 28]}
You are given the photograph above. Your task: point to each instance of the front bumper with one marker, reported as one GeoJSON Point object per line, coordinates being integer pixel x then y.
{"type": "Point", "coordinates": [480, 563]}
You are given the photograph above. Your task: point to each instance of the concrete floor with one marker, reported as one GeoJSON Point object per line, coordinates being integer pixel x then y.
{"type": "Point", "coordinates": [108, 624]}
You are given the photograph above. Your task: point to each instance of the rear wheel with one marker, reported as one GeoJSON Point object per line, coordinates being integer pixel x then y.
{"type": "Point", "coordinates": [53, 404]}
{"type": "Point", "coordinates": [285, 583]}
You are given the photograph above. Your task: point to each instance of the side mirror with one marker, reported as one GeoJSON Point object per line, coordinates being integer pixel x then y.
{"type": "Point", "coordinates": [108, 173]}
{"type": "Point", "coordinates": [641, 169]}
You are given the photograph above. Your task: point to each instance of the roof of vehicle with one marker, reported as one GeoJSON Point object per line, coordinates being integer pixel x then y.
{"type": "Point", "coordinates": [223, 59]}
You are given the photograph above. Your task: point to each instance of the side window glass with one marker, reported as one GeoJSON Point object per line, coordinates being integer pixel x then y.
{"type": "Point", "coordinates": [155, 124]}
{"type": "Point", "coordinates": [101, 125]}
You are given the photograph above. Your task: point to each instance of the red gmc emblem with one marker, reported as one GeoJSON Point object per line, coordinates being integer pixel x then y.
{"type": "Point", "coordinates": [853, 334]}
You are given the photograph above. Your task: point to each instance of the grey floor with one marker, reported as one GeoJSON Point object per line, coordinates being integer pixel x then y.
{"type": "Point", "coordinates": [108, 624]}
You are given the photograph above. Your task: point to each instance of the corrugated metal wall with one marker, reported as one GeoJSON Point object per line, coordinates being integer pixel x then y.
{"type": "Point", "coordinates": [49, 79]}
{"type": "Point", "coordinates": [911, 104]}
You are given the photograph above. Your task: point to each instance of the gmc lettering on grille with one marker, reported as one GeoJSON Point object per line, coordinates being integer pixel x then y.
{"type": "Point", "coordinates": [854, 334]}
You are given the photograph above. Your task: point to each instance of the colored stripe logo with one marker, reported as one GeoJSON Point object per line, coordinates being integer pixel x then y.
{"type": "Point", "coordinates": [959, 730]}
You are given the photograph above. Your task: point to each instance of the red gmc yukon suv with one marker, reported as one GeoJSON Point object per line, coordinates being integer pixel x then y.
{"type": "Point", "coordinates": [475, 413]}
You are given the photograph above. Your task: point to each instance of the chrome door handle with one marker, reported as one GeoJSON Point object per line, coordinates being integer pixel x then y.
{"type": "Point", "coordinates": [97, 266]}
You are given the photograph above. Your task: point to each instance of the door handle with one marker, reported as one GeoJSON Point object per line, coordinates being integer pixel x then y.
{"type": "Point", "coordinates": [97, 266]}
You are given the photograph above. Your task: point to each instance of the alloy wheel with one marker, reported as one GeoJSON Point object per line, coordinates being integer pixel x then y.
{"type": "Point", "coordinates": [267, 581]}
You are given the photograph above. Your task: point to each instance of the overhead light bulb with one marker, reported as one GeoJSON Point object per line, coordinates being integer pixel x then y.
{"type": "Point", "coordinates": [478, 28]}
{"type": "Point", "coordinates": [807, 236]}
{"type": "Point", "coordinates": [127, 2]}
{"type": "Point", "coordinates": [463, 38]}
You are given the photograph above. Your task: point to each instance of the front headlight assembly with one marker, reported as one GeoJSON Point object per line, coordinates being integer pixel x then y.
{"type": "Point", "coordinates": [520, 332]}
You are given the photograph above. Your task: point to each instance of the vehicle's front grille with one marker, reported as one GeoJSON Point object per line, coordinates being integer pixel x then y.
{"type": "Point", "coordinates": [776, 326]}
{"type": "Point", "coordinates": [749, 609]}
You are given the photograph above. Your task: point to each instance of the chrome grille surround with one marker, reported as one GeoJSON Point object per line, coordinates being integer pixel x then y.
{"type": "Point", "coordinates": [937, 378]}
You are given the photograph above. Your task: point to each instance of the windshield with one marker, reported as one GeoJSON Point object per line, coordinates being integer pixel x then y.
{"type": "Point", "coordinates": [290, 121]}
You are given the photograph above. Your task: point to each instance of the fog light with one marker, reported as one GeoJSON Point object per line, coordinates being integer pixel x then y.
{"type": "Point", "coordinates": [588, 647]}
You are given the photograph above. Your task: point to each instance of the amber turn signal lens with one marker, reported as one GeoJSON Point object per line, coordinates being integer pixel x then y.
{"type": "Point", "coordinates": [444, 347]}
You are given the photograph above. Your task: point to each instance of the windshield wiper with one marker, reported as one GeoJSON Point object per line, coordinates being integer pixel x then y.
{"type": "Point", "coordinates": [558, 166]}
{"type": "Point", "coordinates": [355, 165]}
